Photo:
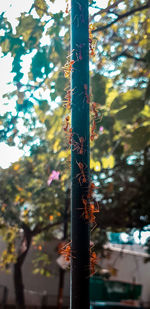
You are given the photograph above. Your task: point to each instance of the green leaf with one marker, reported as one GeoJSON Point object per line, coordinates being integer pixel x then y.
{"type": "Point", "coordinates": [107, 122]}
{"type": "Point", "coordinates": [24, 105]}
{"type": "Point", "coordinates": [40, 61]}
{"type": "Point", "coordinates": [43, 105]}
{"type": "Point", "coordinates": [26, 25]}
{"type": "Point", "coordinates": [130, 112]}
{"type": "Point", "coordinates": [58, 46]}
{"type": "Point", "coordinates": [123, 98]}
{"type": "Point", "coordinates": [53, 96]}
{"type": "Point", "coordinates": [140, 138]}
{"type": "Point", "coordinates": [98, 84]}
{"type": "Point", "coordinates": [147, 92]}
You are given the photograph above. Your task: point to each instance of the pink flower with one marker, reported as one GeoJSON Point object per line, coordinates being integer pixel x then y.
{"type": "Point", "coordinates": [101, 128]}
{"type": "Point", "coordinates": [53, 176]}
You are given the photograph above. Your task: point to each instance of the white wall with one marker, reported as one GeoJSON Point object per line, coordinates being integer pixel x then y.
{"type": "Point", "coordinates": [129, 266]}
{"type": "Point", "coordinates": [37, 283]}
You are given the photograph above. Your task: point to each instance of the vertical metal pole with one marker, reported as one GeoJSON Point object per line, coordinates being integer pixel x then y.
{"type": "Point", "coordinates": [80, 260]}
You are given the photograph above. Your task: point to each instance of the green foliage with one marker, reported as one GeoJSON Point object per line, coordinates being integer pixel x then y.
{"type": "Point", "coordinates": [120, 85]}
{"type": "Point", "coordinates": [41, 263]}
{"type": "Point", "coordinates": [139, 138]}
{"type": "Point", "coordinates": [126, 97]}
{"type": "Point", "coordinates": [40, 61]}
{"type": "Point", "coordinates": [9, 255]}
{"type": "Point", "coordinates": [30, 30]}
{"type": "Point", "coordinates": [98, 84]}
{"type": "Point", "coordinates": [130, 111]}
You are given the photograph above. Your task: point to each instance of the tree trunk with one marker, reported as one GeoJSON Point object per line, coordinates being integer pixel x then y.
{"type": "Point", "coordinates": [18, 278]}
{"type": "Point", "coordinates": [19, 288]}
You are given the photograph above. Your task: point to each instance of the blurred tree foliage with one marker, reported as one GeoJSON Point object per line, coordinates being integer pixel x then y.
{"type": "Point", "coordinates": [31, 206]}
{"type": "Point", "coordinates": [120, 85]}
{"type": "Point", "coordinates": [119, 78]}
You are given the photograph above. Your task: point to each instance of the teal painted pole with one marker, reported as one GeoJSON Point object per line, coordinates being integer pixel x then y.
{"type": "Point", "coordinates": [80, 260]}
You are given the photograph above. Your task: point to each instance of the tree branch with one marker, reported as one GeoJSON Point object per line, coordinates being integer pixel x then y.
{"type": "Point", "coordinates": [106, 9]}
{"type": "Point", "coordinates": [37, 230]}
{"type": "Point", "coordinates": [126, 54]}
{"type": "Point", "coordinates": [138, 9]}
{"type": "Point", "coordinates": [25, 245]}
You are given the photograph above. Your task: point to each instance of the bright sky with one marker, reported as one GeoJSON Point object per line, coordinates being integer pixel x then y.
{"type": "Point", "coordinates": [12, 9]}
{"type": "Point", "coordinates": [8, 155]}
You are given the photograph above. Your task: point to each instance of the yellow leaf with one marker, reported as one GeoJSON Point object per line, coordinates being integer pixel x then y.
{"type": "Point", "coordinates": [136, 23]}
{"type": "Point", "coordinates": [19, 188]}
{"type": "Point", "coordinates": [146, 123]}
{"type": "Point", "coordinates": [16, 167]}
{"type": "Point", "coordinates": [50, 135]}
{"type": "Point", "coordinates": [148, 25]}
{"type": "Point", "coordinates": [114, 27]}
{"type": "Point", "coordinates": [58, 214]}
{"type": "Point", "coordinates": [143, 17]}
{"type": "Point", "coordinates": [17, 198]}
{"type": "Point", "coordinates": [143, 42]}
{"type": "Point", "coordinates": [26, 34]}
{"type": "Point", "coordinates": [25, 212]}
{"type": "Point", "coordinates": [12, 248]}
{"type": "Point", "coordinates": [108, 162]}
{"type": "Point", "coordinates": [103, 14]}
{"type": "Point", "coordinates": [146, 111]}
{"type": "Point", "coordinates": [5, 46]}
{"type": "Point", "coordinates": [129, 40]}
{"type": "Point", "coordinates": [56, 145]}
{"type": "Point", "coordinates": [29, 194]}
{"type": "Point", "coordinates": [62, 154]}
{"type": "Point", "coordinates": [97, 166]}
{"type": "Point", "coordinates": [40, 7]}
{"type": "Point", "coordinates": [64, 177]}
{"type": "Point", "coordinates": [92, 164]}
{"type": "Point", "coordinates": [111, 93]}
